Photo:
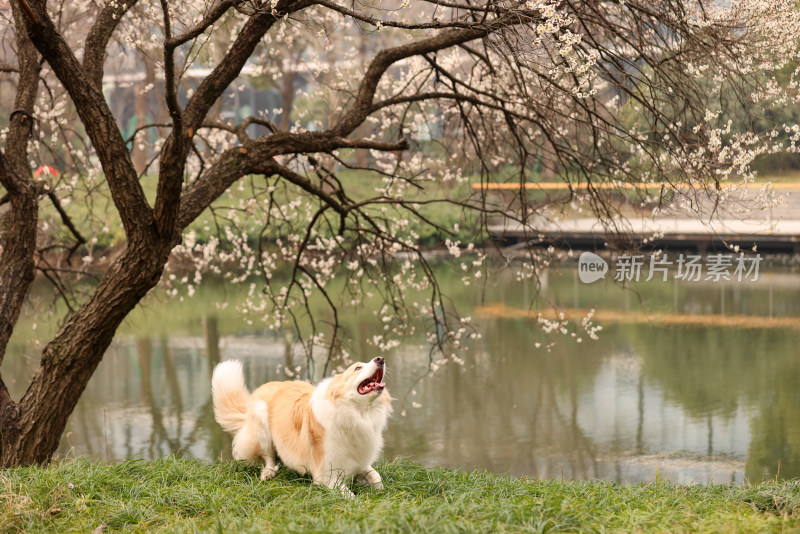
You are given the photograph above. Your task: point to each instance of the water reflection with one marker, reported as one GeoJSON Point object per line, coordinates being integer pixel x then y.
{"type": "Point", "coordinates": [693, 403]}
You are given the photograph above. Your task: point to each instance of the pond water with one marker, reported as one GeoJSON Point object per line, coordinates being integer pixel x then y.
{"type": "Point", "coordinates": [688, 381]}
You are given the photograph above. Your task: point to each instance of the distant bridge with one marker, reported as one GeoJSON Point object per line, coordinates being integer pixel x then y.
{"type": "Point", "coordinates": [705, 228]}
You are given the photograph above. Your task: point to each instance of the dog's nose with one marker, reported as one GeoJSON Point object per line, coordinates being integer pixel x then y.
{"type": "Point", "coordinates": [380, 360]}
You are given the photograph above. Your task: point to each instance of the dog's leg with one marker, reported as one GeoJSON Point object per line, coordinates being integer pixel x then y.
{"type": "Point", "coordinates": [334, 480]}
{"type": "Point", "coordinates": [270, 468]}
{"type": "Point", "coordinates": [260, 419]}
{"type": "Point", "coordinates": [371, 477]}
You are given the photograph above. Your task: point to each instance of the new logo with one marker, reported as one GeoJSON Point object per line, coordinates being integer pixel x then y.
{"type": "Point", "coordinates": [591, 267]}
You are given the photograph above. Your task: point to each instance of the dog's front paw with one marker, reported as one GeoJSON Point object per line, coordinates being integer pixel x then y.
{"type": "Point", "coordinates": [334, 481]}
{"type": "Point", "coordinates": [268, 473]}
{"type": "Point", "coordinates": [370, 477]}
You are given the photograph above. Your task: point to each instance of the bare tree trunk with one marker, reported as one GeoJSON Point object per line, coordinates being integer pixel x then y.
{"type": "Point", "coordinates": [31, 434]}
{"type": "Point", "coordinates": [16, 263]}
{"type": "Point", "coordinates": [18, 227]}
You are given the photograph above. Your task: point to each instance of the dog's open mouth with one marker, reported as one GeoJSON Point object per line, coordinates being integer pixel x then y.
{"type": "Point", "coordinates": [372, 383]}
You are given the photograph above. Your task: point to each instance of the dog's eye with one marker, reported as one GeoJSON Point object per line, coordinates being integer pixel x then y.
{"type": "Point", "coordinates": [357, 368]}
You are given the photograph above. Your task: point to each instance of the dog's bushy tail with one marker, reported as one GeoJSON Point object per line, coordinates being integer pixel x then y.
{"type": "Point", "coordinates": [230, 395]}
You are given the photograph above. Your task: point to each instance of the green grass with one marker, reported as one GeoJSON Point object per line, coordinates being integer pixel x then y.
{"type": "Point", "coordinates": [178, 495]}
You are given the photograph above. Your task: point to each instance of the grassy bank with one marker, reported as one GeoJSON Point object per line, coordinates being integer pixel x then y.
{"type": "Point", "coordinates": [174, 495]}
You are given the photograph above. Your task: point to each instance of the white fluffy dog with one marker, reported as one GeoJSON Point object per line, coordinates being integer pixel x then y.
{"type": "Point", "coordinates": [331, 431]}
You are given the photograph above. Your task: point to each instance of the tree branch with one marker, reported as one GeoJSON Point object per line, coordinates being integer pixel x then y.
{"type": "Point", "coordinates": [177, 146]}
{"type": "Point", "coordinates": [421, 97]}
{"type": "Point", "coordinates": [212, 87]}
{"type": "Point", "coordinates": [360, 108]}
{"type": "Point", "coordinates": [27, 88]}
{"type": "Point", "coordinates": [65, 218]}
{"type": "Point", "coordinates": [28, 10]}
{"type": "Point", "coordinates": [170, 81]}
{"type": "Point", "coordinates": [210, 18]}
{"type": "Point", "coordinates": [404, 25]}
{"type": "Point", "coordinates": [256, 157]}
{"type": "Point", "coordinates": [273, 167]}
{"type": "Point", "coordinates": [100, 124]}
{"type": "Point", "coordinates": [94, 52]}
